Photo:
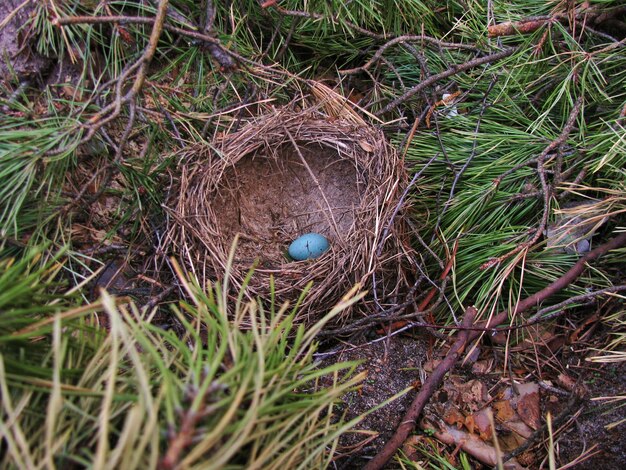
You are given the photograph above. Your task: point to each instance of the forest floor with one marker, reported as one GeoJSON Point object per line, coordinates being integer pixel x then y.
{"type": "Point", "coordinates": [550, 372]}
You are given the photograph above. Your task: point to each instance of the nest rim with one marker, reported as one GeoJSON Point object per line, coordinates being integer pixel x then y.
{"type": "Point", "coordinates": [374, 242]}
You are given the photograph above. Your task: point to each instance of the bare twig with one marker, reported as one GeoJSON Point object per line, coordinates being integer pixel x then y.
{"type": "Point", "coordinates": [113, 110]}
{"type": "Point", "coordinates": [549, 313]}
{"type": "Point", "coordinates": [428, 388]}
{"type": "Point", "coordinates": [547, 193]}
{"type": "Point", "coordinates": [122, 19]}
{"type": "Point", "coordinates": [407, 39]}
{"type": "Point", "coordinates": [154, 301]}
{"type": "Point", "coordinates": [525, 26]}
{"type": "Point", "coordinates": [445, 74]}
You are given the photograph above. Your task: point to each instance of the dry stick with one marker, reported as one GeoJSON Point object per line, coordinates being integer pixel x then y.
{"type": "Point", "coordinates": [106, 169]}
{"type": "Point", "coordinates": [526, 26]}
{"type": "Point", "coordinates": [465, 336]}
{"type": "Point", "coordinates": [445, 74]}
{"type": "Point", "coordinates": [213, 42]}
{"type": "Point", "coordinates": [70, 20]}
{"type": "Point", "coordinates": [401, 204]}
{"type": "Point", "coordinates": [113, 110]}
{"type": "Point", "coordinates": [401, 40]}
{"type": "Point", "coordinates": [428, 388]}
{"type": "Point", "coordinates": [542, 315]}
{"type": "Point", "coordinates": [567, 129]}
{"type": "Point", "coordinates": [529, 25]}
{"type": "Point", "coordinates": [554, 311]}
{"type": "Point", "coordinates": [562, 282]}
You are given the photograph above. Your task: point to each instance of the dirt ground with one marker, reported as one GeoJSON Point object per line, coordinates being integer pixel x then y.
{"type": "Point", "coordinates": [261, 193]}
{"type": "Point", "coordinates": [589, 429]}
{"type": "Point", "coordinates": [18, 57]}
{"type": "Point", "coordinates": [392, 365]}
{"type": "Point", "coordinates": [582, 441]}
{"type": "Point", "coordinates": [397, 363]}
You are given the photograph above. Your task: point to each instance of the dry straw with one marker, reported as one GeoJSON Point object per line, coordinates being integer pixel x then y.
{"type": "Point", "coordinates": [287, 172]}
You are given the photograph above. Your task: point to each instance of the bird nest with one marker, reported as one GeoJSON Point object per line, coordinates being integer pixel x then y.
{"type": "Point", "coordinates": [279, 176]}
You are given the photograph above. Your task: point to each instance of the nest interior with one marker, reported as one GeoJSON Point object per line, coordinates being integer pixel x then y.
{"type": "Point", "coordinates": [282, 175]}
{"type": "Point", "coordinates": [272, 197]}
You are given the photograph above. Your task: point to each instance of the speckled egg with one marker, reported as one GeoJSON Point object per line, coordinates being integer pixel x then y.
{"type": "Point", "coordinates": [308, 246]}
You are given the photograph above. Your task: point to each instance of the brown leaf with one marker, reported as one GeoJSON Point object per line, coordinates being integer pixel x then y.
{"type": "Point", "coordinates": [366, 146]}
{"type": "Point", "coordinates": [503, 410]}
{"type": "Point", "coordinates": [528, 404]}
{"type": "Point", "coordinates": [453, 416]}
{"type": "Point", "coordinates": [480, 423]}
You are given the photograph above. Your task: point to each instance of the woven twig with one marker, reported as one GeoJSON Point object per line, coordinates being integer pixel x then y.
{"type": "Point", "coordinates": [207, 176]}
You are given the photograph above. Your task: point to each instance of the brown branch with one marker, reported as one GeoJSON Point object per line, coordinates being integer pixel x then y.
{"type": "Point", "coordinates": [526, 26]}
{"type": "Point", "coordinates": [112, 110]}
{"type": "Point", "coordinates": [121, 19]}
{"type": "Point", "coordinates": [594, 15]}
{"type": "Point", "coordinates": [402, 40]}
{"type": "Point", "coordinates": [546, 189]}
{"type": "Point", "coordinates": [428, 388]}
{"type": "Point", "coordinates": [562, 282]}
{"type": "Point", "coordinates": [445, 74]}
{"type": "Point", "coordinates": [547, 313]}
{"type": "Point", "coordinates": [466, 335]}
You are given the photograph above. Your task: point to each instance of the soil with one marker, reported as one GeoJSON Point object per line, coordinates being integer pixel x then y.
{"type": "Point", "coordinates": [590, 429]}
{"type": "Point", "coordinates": [392, 365]}
{"type": "Point", "coordinates": [272, 200]}
{"type": "Point", "coordinates": [16, 46]}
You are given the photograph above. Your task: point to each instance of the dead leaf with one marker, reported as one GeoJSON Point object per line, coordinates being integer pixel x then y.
{"type": "Point", "coordinates": [471, 444]}
{"type": "Point", "coordinates": [453, 416]}
{"type": "Point", "coordinates": [480, 423]}
{"type": "Point", "coordinates": [528, 410]}
{"type": "Point", "coordinates": [526, 402]}
{"type": "Point", "coordinates": [503, 411]}
{"type": "Point", "coordinates": [366, 146]}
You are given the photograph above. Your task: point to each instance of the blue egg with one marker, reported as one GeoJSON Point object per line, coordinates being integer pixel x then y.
{"type": "Point", "coordinates": [308, 246]}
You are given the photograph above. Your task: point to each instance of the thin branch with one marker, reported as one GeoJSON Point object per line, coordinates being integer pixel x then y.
{"type": "Point", "coordinates": [123, 19]}
{"type": "Point", "coordinates": [112, 110]}
{"type": "Point", "coordinates": [547, 193]}
{"type": "Point", "coordinates": [428, 388]}
{"type": "Point", "coordinates": [407, 39]}
{"type": "Point", "coordinates": [455, 69]}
